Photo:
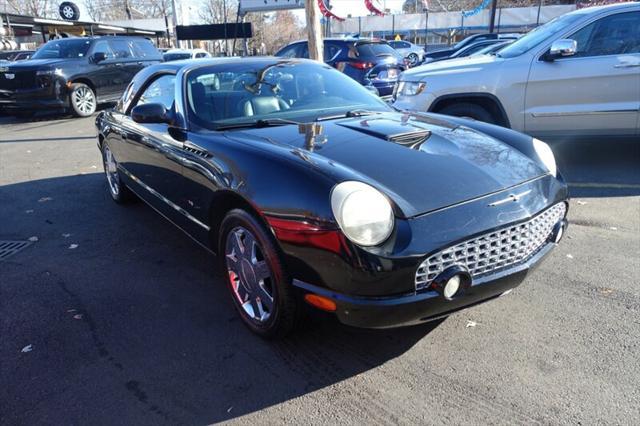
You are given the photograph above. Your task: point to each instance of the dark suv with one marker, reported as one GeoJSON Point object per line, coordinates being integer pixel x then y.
{"type": "Point", "coordinates": [75, 73]}
{"type": "Point", "coordinates": [369, 62]}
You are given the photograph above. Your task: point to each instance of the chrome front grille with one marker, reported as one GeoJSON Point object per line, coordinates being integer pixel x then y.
{"type": "Point", "coordinates": [494, 250]}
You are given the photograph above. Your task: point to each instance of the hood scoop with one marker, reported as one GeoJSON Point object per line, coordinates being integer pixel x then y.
{"type": "Point", "coordinates": [413, 140]}
{"type": "Point", "coordinates": [403, 132]}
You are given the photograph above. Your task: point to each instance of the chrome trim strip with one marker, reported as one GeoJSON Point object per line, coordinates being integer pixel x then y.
{"type": "Point", "coordinates": [511, 197]}
{"type": "Point", "coordinates": [574, 113]}
{"type": "Point", "coordinates": [162, 198]}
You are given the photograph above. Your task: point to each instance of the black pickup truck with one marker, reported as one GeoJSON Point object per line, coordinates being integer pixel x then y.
{"type": "Point", "coordinates": [74, 74]}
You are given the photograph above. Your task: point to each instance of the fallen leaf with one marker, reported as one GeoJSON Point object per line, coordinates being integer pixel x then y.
{"type": "Point", "coordinates": [73, 246]}
{"type": "Point", "coordinates": [581, 203]}
{"type": "Point", "coordinates": [613, 228]}
{"type": "Point", "coordinates": [28, 211]}
{"type": "Point", "coordinates": [77, 316]}
{"type": "Point", "coordinates": [26, 349]}
{"type": "Point", "coordinates": [71, 310]}
{"type": "Point", "coordinates": [33, 239]}
{"type": "Point", "coordinates": [570, 256]}
{"type": "Point", "coordinates": [94, 167]}
{"type": "Point", "coordinates": [44, 199]}
{"type": "Point", "coordinates": [28, 151]}
{"type": "Point", "coordinates": [66, 235]}
{"type": "Point", "coordinates": [605, 290]}
{"type": "Point", "coordinates": [471, 324]}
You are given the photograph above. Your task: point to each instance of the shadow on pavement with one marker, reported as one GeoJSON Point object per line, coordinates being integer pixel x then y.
{"type": "Point", "coordinates": [134, 321]}
{"type": "Point", "coordinates": [609, 168]}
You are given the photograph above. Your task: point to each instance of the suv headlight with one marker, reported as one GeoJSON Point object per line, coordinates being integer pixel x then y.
{"type": "Point", "coordinates": [411, 88]}
{"type": "Point", "coordinates": [363, 213]}
{"type": "Point", "coordinates": [546, 156]}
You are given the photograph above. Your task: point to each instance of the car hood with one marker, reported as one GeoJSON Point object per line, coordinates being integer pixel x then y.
{"type": "Point", "coordinates": [39, 64]}
{"type": "Point", "coordinates": [450, 66]}
{"type": "Point", "coordinates": [422, 162]}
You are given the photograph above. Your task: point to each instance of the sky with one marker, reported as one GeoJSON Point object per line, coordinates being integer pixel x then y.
{"type": "Point", "coordinates": [340, 7]}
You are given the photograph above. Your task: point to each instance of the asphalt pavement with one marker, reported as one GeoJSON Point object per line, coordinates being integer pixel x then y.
{"type": "Point", "coordinates": [112, 316]}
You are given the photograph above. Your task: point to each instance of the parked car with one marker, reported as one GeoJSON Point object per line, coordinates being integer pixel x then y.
{"type": "Point", "coordinates": [178, 54]}
{"type": "Point", "coordinates": [413, 52]}
{"type": "Point", "coordinates": [577, 76]}
{"type": "Point", "coordinates": [312, 189]}
{"type": "Point", "coordinates": [74, 73]}
{"type": "Point", "coordinates": [370, 62]}
{"type": "Point", "coordinates": [446, 53]}
{"type": "Point", "coordinates": [492, 48]}
{"type": "Point", "coordinates": [473, 48]}
{"type": "Point", "coordinates": [15, 55]}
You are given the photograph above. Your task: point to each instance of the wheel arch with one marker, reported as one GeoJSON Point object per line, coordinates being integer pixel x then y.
{"type": "Point", "coordinates": [486, 100]}
{"type": "Point", "coordinates": [222, 203]}
{"type": "Point", "coordinates": [86, 81]}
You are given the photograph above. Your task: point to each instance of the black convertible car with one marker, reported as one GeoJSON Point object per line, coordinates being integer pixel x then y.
{"type": "Point", "coordinates": [309, 188]}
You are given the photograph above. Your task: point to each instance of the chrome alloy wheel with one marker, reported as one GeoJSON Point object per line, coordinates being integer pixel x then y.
{"type": "Point", "coordinates": [68, 12]}
{"type": "Point", "coordinates": [250, 274]}
{"type": "Point", "coordinates": [84, 100]}
{"type": "Point", "coordinates": [111, 170]}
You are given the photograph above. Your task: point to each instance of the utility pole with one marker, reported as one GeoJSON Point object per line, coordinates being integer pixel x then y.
{"type": "Point", "coordinates": [492, 21]}
{"type": "Point", "coordinates": [175, 23]}
{"type": "Point", "coordinates": [127, 9]}
{"type": "Point", "coordinates": [314, 30]}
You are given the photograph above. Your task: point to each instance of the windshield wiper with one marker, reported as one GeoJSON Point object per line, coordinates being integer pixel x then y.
{"type": "Point", "coordinates": [269, 122]}
{"type": "Point", "coordinates": [348, 114]}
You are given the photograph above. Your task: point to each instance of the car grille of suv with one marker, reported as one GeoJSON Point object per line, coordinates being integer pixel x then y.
{"type": "Point", "coordinates": [494, 250]}
{"type": "Point", "coordinates": [21, 80]}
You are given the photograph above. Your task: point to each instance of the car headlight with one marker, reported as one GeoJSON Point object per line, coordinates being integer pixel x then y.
{"type": "Point", "coordinates": [363, 213]}
{"type": "Point", "coordinates": [546, 156]}
{"type": "Point", "coordinates": [411, 88]}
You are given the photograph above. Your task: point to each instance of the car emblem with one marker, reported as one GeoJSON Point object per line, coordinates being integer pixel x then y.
{"type": "Point", "coordinates": [510, 198]}
{"type": "Point", "coordinates": [10, 76]}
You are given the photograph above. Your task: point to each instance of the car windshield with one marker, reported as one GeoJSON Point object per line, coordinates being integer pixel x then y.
{"type": "Point", "coordinates": [538, 35]}
{"type": "Point", "coordinates": [63, 49]}
{"type": "Point", "coordinates": [372, 50]}
{"type": "Point", "coordinates": [176, 56]}
{"type": "Point", "coordinates": [293, 90]}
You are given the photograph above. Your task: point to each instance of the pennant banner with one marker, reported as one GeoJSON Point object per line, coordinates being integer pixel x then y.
{"type": "Point", "coordinates": [326, 12]}
{"type": "Point", "coordinates": [467, 13]}
{"type": "Point", "coordinates": [374, 6]}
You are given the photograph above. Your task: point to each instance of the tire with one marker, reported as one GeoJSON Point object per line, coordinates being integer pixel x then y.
{"type": "Point", "coordinates": [253, 270]}
{"type": "Point", "coordinates": [413, 59]}
{"type": "Point", "coordinates": [82, 100]}
{"type": "Point", "coordinates": [469, 110]}
{"type": "Point", "coordinates": [119, 192]}
{"type": "Point", "coordinates": [69, 11]}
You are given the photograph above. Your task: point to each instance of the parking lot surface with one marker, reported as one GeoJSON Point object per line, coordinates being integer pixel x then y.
{"type": "Point", "coordinates": [112, 315]}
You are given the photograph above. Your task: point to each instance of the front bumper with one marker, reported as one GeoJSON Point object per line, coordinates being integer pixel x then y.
{"type": "Point", "coordinates": [416, 308]}
{"type": "Point", "coordinates": [54, 97]}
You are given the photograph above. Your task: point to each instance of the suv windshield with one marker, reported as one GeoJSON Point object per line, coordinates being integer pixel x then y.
{"type": "Point", "coordinates": [538, 35]}
{"type": "Point", "coordinates": [236, 94]}
{"type": "Point", "coordinates": [63, 49]}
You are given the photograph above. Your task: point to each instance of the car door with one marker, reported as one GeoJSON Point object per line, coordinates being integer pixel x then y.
{"type": "Point", "coordinates": [125, 60]}
{"type": "Point", "coordinates": [105, 73]}
{"type": "Point", "coordinates": [594, 92]}
{"type": "Point", "coordinates": [151, 157]}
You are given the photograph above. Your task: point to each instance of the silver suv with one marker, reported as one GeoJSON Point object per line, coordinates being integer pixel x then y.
{"type": "Point", "coordinates": [576, 76]}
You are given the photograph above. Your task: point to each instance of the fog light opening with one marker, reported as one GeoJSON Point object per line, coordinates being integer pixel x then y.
{"type": "Point", "coordinates": [452, 286]}
{"type": "Point", "coordinates": [559, 234]}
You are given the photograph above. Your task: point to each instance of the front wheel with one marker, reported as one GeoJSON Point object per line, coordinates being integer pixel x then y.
{"type": "Point", "coordinates": [255, 274]}
{"type": "Point", "coordinates": [82, 99]}
{"type": "Point", "coordinates": [413, 59]}
{"type": "Point", "coordinates": [468, 110]}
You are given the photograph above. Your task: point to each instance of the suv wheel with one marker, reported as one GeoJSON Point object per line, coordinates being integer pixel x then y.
{"type": "Point", "coordinates": [469, 110]}
{"type": "Point", "coordinates": [82, 100]}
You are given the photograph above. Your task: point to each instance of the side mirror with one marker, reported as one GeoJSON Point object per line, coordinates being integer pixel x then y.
{"type": "Point", "coordinates": [562, 48]}
{"type": "Point", "coordinates": [151, 113]}
{"type": "Point", "coordinates": [98, 57]}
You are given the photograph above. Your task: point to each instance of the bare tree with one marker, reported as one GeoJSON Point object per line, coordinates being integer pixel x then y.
{"type": "Point", "coordinates": [39, 8]}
